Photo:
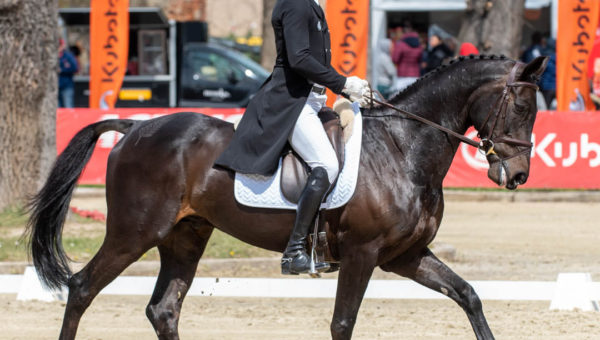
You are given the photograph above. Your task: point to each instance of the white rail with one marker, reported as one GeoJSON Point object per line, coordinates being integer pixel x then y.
{"type": "Point", "coordinates": [571, 290]}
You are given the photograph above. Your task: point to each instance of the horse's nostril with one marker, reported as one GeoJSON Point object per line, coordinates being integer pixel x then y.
{"type": "Point", "coordinates": [521, 178]}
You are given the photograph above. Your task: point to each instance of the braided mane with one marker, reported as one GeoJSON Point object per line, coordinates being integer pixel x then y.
{"type": "Point", "coordinates": [442, 67]}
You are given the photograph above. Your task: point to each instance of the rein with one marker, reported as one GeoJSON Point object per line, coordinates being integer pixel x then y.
{"type": "Point", "coordinates": [486, 144]}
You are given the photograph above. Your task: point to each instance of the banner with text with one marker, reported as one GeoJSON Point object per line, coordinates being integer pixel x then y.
{"type": "Point", "coordinates": [109, 44]}
{"type": "Point", "coordinates": [577, 23]}
{"type": "Point", "coordinates": [70, 121]}
{"type": "Point", "coordinates": [566, 152]}
{"type": "Point", "coordinates": [349, 29]}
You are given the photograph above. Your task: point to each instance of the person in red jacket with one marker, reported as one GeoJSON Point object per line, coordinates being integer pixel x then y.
{"type": "Point", "coordinates": [407, 57]}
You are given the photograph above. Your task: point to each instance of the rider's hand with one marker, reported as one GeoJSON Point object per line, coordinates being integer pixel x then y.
{"type": "Point", "coordinates": [364, 100]}
{"type": "Point", "coordinates": [356, 88]}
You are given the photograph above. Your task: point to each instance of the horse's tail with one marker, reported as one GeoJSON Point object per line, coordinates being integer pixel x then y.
{"type": "Point", "coordinates": [50, 206]}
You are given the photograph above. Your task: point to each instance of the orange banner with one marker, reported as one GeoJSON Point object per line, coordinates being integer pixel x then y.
{"type": "Point", "coordinates": [109, 44]}
{"type": "Point", "coordinates": [349, 28]}
{"type": "Point", "coordinates": [577, 22]}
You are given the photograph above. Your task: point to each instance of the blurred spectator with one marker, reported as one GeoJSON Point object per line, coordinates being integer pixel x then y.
{"type": "Point", "coordinates": [68, 68]}
{"type": "Point", "coordinates": [76, 51]}
{"type": "Point", "coordinates": [395, 33]}
{"type": "Point", "coordinates": [535, 49]}
{"type": "Point", "coordinates": [595, 83]}
{"type": "Point", "coordinates": [132, 67]}
{"type": "Point", "coordinates": [437, 54]}
{"type": "Point", "coordinates": [593, 72]}
{"type": "Point", "coordinates": [548, 80]}
{"type": "Point", "coordinates": [385, 68]}
{"type": "Point", "coordinates": [467, 48]}
{"type": "Point", "coordinates": [407, 56]}
{"type": "Point", "coordinates": [450, 42]}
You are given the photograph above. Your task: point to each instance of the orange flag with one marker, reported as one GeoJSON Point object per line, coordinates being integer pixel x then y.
{"type": "Point", "coordinates": [109, 44]}
{"type": "Point", "coordinates": [577, 22]}
{"type": "Point", "coordinates": [349, 27]}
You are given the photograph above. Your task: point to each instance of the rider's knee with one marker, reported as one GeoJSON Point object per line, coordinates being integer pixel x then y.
{"type": "Point", "coordinates": [332, 167]}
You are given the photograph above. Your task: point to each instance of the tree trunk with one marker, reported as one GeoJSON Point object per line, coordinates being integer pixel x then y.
{"type": "Point", "coordinates": [268, 52]}
{"type": "Point", "coordinates": [494, 26]}
{"type": "Point", "coordinates": [28, 96]}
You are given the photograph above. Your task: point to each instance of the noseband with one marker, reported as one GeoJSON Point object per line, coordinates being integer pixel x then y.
{"type": "Point", "coordinates": [485, 145]}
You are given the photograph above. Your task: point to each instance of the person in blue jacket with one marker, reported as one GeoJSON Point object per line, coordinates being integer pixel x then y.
{"type": "Point", "coordinates": [68, 67]}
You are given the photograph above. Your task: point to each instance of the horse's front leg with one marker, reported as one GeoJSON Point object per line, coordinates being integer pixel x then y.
{"type": "Point", "coordinates": [429, 271]}
{"type": "Point", "coordinates": [356, 267]}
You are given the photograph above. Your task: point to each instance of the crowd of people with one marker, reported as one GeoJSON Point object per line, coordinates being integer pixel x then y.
{"type": "Point", "coordinates": [407, 54]}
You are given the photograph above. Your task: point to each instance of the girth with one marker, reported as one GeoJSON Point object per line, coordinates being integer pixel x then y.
{"type": "Point", "coordinates": [294, 171]}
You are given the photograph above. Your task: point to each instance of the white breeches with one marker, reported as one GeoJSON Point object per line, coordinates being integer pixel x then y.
{"type": "Point", "coordinates": [309, 140]}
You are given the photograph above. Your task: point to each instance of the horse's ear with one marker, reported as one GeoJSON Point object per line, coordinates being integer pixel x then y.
{"type": "Point", "coordinates": [533, 71]}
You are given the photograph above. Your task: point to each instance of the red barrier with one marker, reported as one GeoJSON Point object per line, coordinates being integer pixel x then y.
{"type": "Point", "coordinates": [566, 154]}
{"type": "Point", "coordinates": [70, 121]}
{"type": "Point", "coordinates": [566, 151]}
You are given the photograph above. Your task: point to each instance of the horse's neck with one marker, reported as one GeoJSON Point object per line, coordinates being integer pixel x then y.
{"type": "Point", "coordinates": [425, 153]}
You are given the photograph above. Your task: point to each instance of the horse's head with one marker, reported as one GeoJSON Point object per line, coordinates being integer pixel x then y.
{"type": "Point", "coordinates": [503, 112]}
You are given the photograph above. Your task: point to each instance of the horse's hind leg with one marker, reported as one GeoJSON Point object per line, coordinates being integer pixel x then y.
{"type": "Point", "coordinates": [114, 256]}
{"type": "Point", "coordinates": [179, 256]}
{"type": "Point", "coordinates": [429, 271]}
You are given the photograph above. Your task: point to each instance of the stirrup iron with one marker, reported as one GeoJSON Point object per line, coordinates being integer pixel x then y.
{"type": "Point", "coordinates": [323, 266]}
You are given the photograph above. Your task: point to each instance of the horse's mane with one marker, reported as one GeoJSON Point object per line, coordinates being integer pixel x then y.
{"type": "Point", "coordinates": [419, 82]}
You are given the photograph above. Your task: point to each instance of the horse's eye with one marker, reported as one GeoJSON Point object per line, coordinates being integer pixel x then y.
{"type": "Point", "coordinates": [520, 109]}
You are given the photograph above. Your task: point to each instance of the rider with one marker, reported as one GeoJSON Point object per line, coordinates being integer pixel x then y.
{"type": "Point", "coordinates": [285, 111]}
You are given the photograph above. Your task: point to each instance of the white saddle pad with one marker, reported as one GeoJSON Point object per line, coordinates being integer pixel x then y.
{"type": "Point", "coordinates": [265, 191]}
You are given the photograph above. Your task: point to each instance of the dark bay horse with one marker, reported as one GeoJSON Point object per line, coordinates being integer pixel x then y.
{"type": "Point", "coordinates": [163, 191]}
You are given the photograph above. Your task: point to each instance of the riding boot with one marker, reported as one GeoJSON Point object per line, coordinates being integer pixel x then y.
{"type": "Point", "coordinates": [295, 259]}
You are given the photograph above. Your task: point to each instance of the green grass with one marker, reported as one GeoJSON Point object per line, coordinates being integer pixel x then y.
{"type": "Point", "coordinates": [13, 217]}
{"type": "Point", "coordinates": [222, 246]}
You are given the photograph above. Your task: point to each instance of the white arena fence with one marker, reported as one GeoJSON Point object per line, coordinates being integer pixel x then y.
{"type": "Point", "coordinates": [570, 291]}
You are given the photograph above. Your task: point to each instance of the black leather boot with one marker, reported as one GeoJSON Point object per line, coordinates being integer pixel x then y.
{"type": "Point", "coordinates": [295, 260]}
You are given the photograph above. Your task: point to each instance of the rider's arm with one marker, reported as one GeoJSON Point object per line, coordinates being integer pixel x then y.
{"type": "Point", "coordinates": [295, 21]}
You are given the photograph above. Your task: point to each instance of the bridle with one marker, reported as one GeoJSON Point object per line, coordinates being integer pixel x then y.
{"type": "Point", "coordinates": [486, 144]}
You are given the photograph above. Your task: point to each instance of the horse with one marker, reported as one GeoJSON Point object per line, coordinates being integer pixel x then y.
{"type": "Point", "coordinates": [163, 191]}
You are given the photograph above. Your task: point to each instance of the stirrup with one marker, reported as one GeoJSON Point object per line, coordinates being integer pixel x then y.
{"type": "Point", "coordinates": [313, 269]}
{"type": "Point", "coordinates": [316, 268]}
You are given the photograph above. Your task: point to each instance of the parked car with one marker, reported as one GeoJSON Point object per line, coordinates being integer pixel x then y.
{"type": "Point", "coordinates": [216, 76]}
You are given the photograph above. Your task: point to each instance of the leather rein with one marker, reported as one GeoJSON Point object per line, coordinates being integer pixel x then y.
{"type": "Point", "coordinates": [486, 144]}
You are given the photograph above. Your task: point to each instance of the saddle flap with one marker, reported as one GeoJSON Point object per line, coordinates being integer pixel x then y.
{"type": "Point", "coordinates": [294, 174]}
{"type": "Point", "coordinates": [294, 171]}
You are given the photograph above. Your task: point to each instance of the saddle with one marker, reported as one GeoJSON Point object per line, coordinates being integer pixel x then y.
{"type": "Point", "coordinates": [294, 171]}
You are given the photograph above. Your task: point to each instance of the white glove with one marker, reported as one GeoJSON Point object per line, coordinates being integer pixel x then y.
{"type": "Point", "coordinates": [357, 88]}
{"type": "Point", "coordinates": [364, 101]}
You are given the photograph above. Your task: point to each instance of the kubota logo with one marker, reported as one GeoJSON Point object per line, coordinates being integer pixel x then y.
{"type": "Point", "coordinates": [548, 149]}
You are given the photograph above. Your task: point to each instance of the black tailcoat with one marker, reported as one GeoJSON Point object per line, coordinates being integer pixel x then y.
{"type": "Point", "coordinates": [303, 58]}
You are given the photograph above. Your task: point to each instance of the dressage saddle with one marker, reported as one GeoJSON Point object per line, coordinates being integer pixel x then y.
{"type": "Point", "coordinates": [294, 171]}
